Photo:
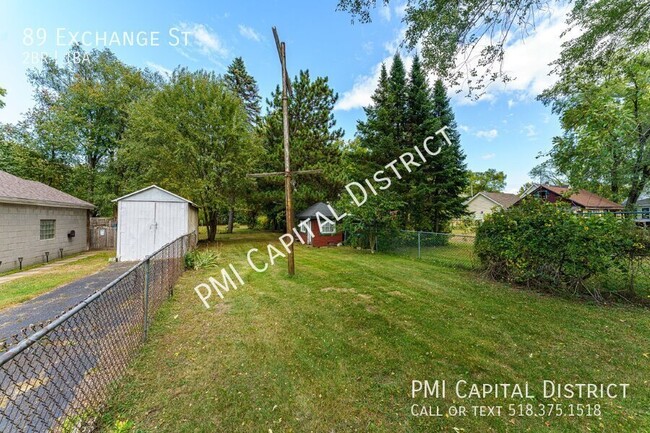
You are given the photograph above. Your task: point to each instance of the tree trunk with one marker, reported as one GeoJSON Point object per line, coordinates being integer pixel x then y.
{"type": "Point", "coordinates": [211, 224]}
{"type": "Point", "coordinates": [231, 219]}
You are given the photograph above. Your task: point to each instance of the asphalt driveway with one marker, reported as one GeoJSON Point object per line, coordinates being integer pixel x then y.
{"type": "Point", "coordinates": [47, 307]}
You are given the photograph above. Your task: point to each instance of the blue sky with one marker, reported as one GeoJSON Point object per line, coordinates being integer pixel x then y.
{"type": "Point", "coordinates": [504, 130]}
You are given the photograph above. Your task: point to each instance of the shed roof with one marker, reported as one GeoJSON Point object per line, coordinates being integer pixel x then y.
{"type": "Point", "coordinates": [312, 210]}
{"type": "Point", "coordinates": [16, 190]}
{"type": "Point", "coordinates": [143, 195]}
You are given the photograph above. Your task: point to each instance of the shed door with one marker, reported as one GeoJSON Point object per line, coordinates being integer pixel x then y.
{"type": "Point", "coordinates": [171, 222]}
{"type": "Point", "coordinates": [137, 228]}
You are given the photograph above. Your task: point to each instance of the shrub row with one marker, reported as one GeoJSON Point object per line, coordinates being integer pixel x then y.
{"type": "Point", "coordinates": [548, 246]}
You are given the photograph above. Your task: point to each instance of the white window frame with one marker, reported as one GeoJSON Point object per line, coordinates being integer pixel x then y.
{"type": "Point", "coordinates": [47, 231]}
{"type": "Point", "coordinates": [303, 225]}
{"type": "Point", "coordinates": [324, 228]}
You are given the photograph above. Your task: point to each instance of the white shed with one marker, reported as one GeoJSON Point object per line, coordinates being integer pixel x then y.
{"type": "Point", "coordinates": [150, 218]}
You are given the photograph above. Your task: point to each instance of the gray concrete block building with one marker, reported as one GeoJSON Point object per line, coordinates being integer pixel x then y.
{"type": "Point", "coordinates": [37, 220]}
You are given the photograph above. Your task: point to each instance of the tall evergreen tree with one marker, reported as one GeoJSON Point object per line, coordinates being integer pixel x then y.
{"type": "Point", "coordinates": [448, 172]}
{"type": "Point", "coordinates": [240, 82]}
{"type": "Point", "coordinates": [315, 143]}
{"type": "Point", "coordinates": [245, 86]}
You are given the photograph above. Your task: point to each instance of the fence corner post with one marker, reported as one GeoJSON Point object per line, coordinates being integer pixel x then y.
{"type": "Point", "coordinates": [146, 297]}
{"type": "Point", "coordinates": [419, 249]}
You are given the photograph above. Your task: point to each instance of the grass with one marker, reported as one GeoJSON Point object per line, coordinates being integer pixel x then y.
{"type": "Point", "coordinates": [38, 265]}
{"type": "Point", "coordinates": [335, 348]}
{"type": "Point", "coordinates": [29, 287]}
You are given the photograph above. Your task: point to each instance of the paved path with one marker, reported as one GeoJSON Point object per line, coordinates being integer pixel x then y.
{"type": "Point", "coordinates": [48, 306]}
{"type": "Point", "coordinates": [45, 268]}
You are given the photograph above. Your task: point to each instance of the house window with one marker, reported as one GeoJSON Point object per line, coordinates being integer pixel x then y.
{"type": "Point", "coordinates": [303, 226]}
{"type": "Point", "coordinates": [328, 228]}
{"type": "Point", "coordinates": [543, 194]}
{"type": "Point", "coordinates": [646, 212]}
{"type": "Point", "coordinates": [48, 229]}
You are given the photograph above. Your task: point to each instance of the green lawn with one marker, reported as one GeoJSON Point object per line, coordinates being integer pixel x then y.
{"type": "Point", "coordinates": [335, 349]}
{"type": "Point", "coordinates": [28, 287]}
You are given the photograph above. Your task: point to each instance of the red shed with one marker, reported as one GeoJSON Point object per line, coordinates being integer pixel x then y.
{"type": "Point", "coordinates": [316, 237]}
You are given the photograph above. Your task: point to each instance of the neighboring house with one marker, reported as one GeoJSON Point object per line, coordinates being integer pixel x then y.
{"type": "Point", "coordinates": [39, 223]}
{"type": "Point", "coordinates": [150, 218]}
{"type": "Point", "coordinates": [581, 200]}
{"type": "Point", "coordinates": [484, 203]}
{"type": "Point", "coordinates": [642, 209]}
{"type": "Point", "coordinates": [318, 238]}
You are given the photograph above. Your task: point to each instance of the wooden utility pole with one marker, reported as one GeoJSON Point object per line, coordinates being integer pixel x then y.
{"type": "Point", "coordinates": [287, 173]}
{"type": "Point", "coordinates": [285, 139]}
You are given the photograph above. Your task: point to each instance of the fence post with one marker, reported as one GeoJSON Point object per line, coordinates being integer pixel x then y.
{"type": "Point", "coordinates": [146, 297]}
{"type": "Point", "coordinates": [419, 254]}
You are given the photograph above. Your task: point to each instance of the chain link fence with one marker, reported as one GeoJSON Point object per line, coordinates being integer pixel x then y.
{"type": "Point", "coordinates": [58, 376]}
{"type": "Point", "coordinates": [456, 250]}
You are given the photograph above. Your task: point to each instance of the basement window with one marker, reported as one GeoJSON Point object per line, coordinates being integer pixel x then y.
{"type": "Point", "coordinates": [48, 229]}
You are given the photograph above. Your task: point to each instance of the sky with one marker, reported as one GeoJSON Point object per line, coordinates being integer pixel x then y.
{"type": "Point", "coordinates": [506, 129]}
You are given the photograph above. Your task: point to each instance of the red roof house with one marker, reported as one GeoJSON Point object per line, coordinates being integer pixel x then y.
{"type": "Point", "coordinates": [580, 199]}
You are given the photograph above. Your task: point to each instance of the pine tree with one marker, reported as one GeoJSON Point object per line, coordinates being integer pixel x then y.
{"type": "Point", "coordinates": [447, 173]}
{"type": "Point", "coordinates": [240, 82]}
{"type": "Point", "coordinates": [315, 144]}
{"type": "Point", "coordinates": [420, 123]}
{"type": "Point", "coordinates": [244, 85]}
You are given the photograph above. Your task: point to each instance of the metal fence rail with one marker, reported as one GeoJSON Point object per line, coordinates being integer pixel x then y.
{"type": "Point", "coordinates": [445, 248]}
{"type": "Point", "coordinates": [57, 378]}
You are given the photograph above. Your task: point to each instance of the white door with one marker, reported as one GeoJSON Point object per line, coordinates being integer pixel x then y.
{"type": "Point", "coordinates": [137, 229]}
{"type": "Point", "coordinates": [170, 223]}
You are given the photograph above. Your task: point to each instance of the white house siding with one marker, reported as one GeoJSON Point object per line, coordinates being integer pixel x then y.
{"type": "Point", "coordinates": [20, 231]}
{"type": "Point", "coordinates": [481, 206]}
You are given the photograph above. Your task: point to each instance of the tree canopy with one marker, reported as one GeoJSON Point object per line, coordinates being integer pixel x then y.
{"type": "Point", "coordinates": [448, 33]}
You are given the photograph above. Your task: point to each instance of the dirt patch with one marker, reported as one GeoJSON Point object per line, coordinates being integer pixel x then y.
{"type": "Point", "coordinates": [396, 293]}
{"type": "Point", "coordinates": [338, 290]}
{"type": "Point", "coordinates": [364, 296]}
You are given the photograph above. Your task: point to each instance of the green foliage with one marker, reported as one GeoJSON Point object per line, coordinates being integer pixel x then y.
{"type": "Point", "coordinates": [450, 35]}
{"type": "Point", "coordinates": [403, 114]}
{"type": "Point", "coordinates": [193, 137]}
{"type": "Point", "coordinates": [70, 138]}
{"type": "Point", "coordinates": [202, 259]}
{"type": "Point", "coordinates": [605, 114]}
{"type": "Point", "coordinates": [375, 219]}
{"type": "Point", "coordinates": [244, 85]}
{"type": "Point", "coordinates": [315, 144]}
{"type": "Point", "coordinates": [545, 245]}
{"type": "Point", "coordinates": [3, 93]}
{"type": "Point", "coordinates": [485, 181]}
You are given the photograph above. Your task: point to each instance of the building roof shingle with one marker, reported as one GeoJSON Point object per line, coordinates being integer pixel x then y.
{"type": "Point", "coordinates": [504, 199]}
{"type": "Point", "coordinates": [584, 198]}
{"type": "Point", "coordinates": [16, 190]}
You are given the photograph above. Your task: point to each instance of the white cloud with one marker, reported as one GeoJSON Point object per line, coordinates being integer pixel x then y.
{"type": "Point", "coordinates": [489, 135]}
{"type": "Point", "coordinates": [364, 86]}
{"type": "Point", "coordinates": [463, 128]}
{"type": "Point", "coordinates": [160, 69]}
{"type": "Point", "coordinates": [400, 10]}
{"type": "Point", "coordinates": [530, 130]}
{"type": "Point", "coordinates": [488, 156]}
{"type": "Point", "coordinates": [526, 59]}
{"type": "Point", "coordinates": [384, 13]}
{"type": "Point", "coordinates": [204, 39]}
{"type": "Point", "coordinates": [249, 33]}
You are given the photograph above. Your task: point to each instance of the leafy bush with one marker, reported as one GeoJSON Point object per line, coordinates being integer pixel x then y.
{"type": "Point", "coordinates": [201, 259]}
{"type": "Point", "coordinates": [546, 245]}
